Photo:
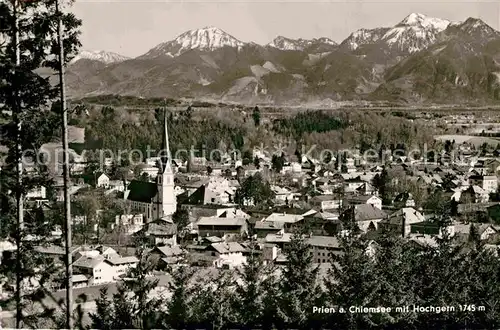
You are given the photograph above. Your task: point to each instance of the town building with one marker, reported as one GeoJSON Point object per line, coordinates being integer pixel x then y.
{"type": "Point", "coordinates": [155, 199]}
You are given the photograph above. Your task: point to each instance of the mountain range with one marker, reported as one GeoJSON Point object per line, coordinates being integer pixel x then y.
{"type": "Point", "coordinates": [420, 59]}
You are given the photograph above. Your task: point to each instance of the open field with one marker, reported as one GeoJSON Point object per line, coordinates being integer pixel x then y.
{"type": "Point", "coordinates": [475, 140]}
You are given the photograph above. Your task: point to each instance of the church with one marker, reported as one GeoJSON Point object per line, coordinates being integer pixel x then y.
{"type": "Point", "coordinates": [155, 200]}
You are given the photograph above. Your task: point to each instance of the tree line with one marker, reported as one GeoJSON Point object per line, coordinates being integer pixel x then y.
{"type": "Point", "coordinates": [399, 274]}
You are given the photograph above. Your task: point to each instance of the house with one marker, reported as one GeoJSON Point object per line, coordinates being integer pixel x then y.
{"type": "Point", "coordinates": [270, 253]}
{"type": "Point", "coordinates": [210, 210]}
{"type": "Point", "coordinates": [366, 216]}
{"type": "Point", "coordinates": [406, 199]}
{"type": "Point", "coordinates": [117, 185]}
{"type": "Point", "coordinates": [323, 248]}
{"type": "Point", "coordinates": [289, 220]}
{"type": "Point", "coordinates": [484, 230]}
{"type": "Point", "coordinates": [367, 189]}
{"type": "Point", "coordinates": [107, 251]}
{"type": "Point", "coordinates": [161, 231]}
{"type": "Point", "coordinates": [227, 254]}
{"type": "Point", "coordinates": [215, 190]}
{"type": "Point", "coordinates": [348, 166]}
{"type": "Point", "coordinates": [280, 239]}
{"type": "Point", "coordinates": [222, 226]}
{"type": "Point", "coordinates": [6, 251]}
{"type": "Point", "coordinates": [401, 220]}
{"type": "Point", "coordinates": [251, 170]}
{"type": "Point", "coordinates": [168, 254]}
{"type": "Point", "coordinates": [473, 194]}
{"type": "Point", "coordinates": [121, 265]}
{"type": "Point", "coordinates": [493, 165]}
{"type": "Point", "coordinates": [56, 252]}
{"type": "Point", "coordinates": [430, 227]}
{"type": "Point", "coordinates": [262, 228]}
{"type": "Point", "coordinates": [102, 180]}
{"type": "Point", "coordinates": [326, 202]}
{"type": "Point", "coordinates": [327, 190]}
{"type": "Point", "coordinates": [79, 281]}
{"type": "Point", "coordinates": [488, 183]}
{"type": "Point", "coordinates": [129, 223]}
{"type": "Point", "coordinates": [37, 193]}
{"type": "Point", "coordinates": [323, 223]}
{"type": "Point", "coordinates": [282, 195]}
{"type": "Point", "coordinates": [351, 185]}
{"type": "Point", "coordinates": [96, 269]}
{"type": "Point", "coordinates": [365, 199]}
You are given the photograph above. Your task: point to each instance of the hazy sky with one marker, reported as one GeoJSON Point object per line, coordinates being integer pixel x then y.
{"type": "Point", "coordinates": [131, 28]}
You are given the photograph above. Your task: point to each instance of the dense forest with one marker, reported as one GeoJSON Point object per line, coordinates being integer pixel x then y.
{"type": "Point", "coordinates": [228, 129]}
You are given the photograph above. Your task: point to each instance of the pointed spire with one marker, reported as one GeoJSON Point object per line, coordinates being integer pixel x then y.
{"type": "Point", "coordinates": [165, 148]}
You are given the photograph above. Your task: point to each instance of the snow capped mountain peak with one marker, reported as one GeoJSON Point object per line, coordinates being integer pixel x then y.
{"type": "Point", "coordinates": [362, 37]}
{"type": "Point", "coordinates": [473, 24]}
{"type": "Point", "coordinates": [208, 38]}
{"type": "Point", "coordinates": [327, 41]}
{"type": "Point", "coordinates": [100, 56]}
{"type": "Point", "coordinates": [284, 43]}
{"type": "Point", "coordinates": [415, 32]}
{"type": "Point", "coordinates": [421, 20]}
{"type": "Point", "coordinates": [474, 28]}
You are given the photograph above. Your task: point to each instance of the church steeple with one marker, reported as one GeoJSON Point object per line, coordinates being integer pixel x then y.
{"type": "Point", "coordinates": [165, 147]}
{"type": "Point", "coordinates": [166, 199]}
{"type": "Point", "coordinates": [165, 144]}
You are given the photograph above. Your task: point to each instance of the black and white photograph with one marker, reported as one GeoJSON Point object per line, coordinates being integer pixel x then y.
{"type": "Point", "coordinates": [285, 164]}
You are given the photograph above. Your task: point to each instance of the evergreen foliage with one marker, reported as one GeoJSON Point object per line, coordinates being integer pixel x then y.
{"type": "Point", "coordinates": [254, 189]}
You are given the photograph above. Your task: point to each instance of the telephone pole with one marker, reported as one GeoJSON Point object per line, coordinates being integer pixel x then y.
{"type": "Point", "coordinates": [16, 112]}
{"type": "Point", "coordinates": [67, 202]}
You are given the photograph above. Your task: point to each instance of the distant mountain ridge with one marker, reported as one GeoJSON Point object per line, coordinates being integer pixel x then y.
{"type": "Point", "coordinates": [100, 56]}
{"type": "Point", "coordinates": [284, 43]}
{"type": "Point", "coordinates": [386, 63]}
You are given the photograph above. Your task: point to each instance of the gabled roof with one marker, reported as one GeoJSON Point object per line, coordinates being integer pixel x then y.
{"type": "Point", "coordinates": [408, 213]}
{"type": "Point", "coordinates": [326, 216]}
{"type": "Point", "coordinates": [78, 278]}
{"type": "Point", "coordinates": [104, 248]}
{"type": "Point", "coordinates": [122, 260]}
{"type": "Point", "coordinates": [366, 187]}
{"type": "Point", "coordinates": [217, 221]}
{"type": "Point", "coordinates": [365, 212]}
{"type": "Point", "coordinates": [142, 191]}
{"type": "Point", "coordinates": [284, 217]}
{"type": "Point", "coordinates": [213, 239]}
{"type": "Point", "coordinates": [230, 247]}
{"type": "Point", "coordinates": [278, 238]}
{"type": "Point", "coordinates": [465, 228]}
{"type": "Point", "coordinates": [169, 251]}
{"type": "Point", "coordinates": [88, 262]}
{"type": "Point", "coordinates": [269, 225]}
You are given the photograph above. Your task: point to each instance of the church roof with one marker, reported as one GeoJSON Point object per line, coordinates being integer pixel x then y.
{"type": "Point", "coordinates": [142, 191]}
